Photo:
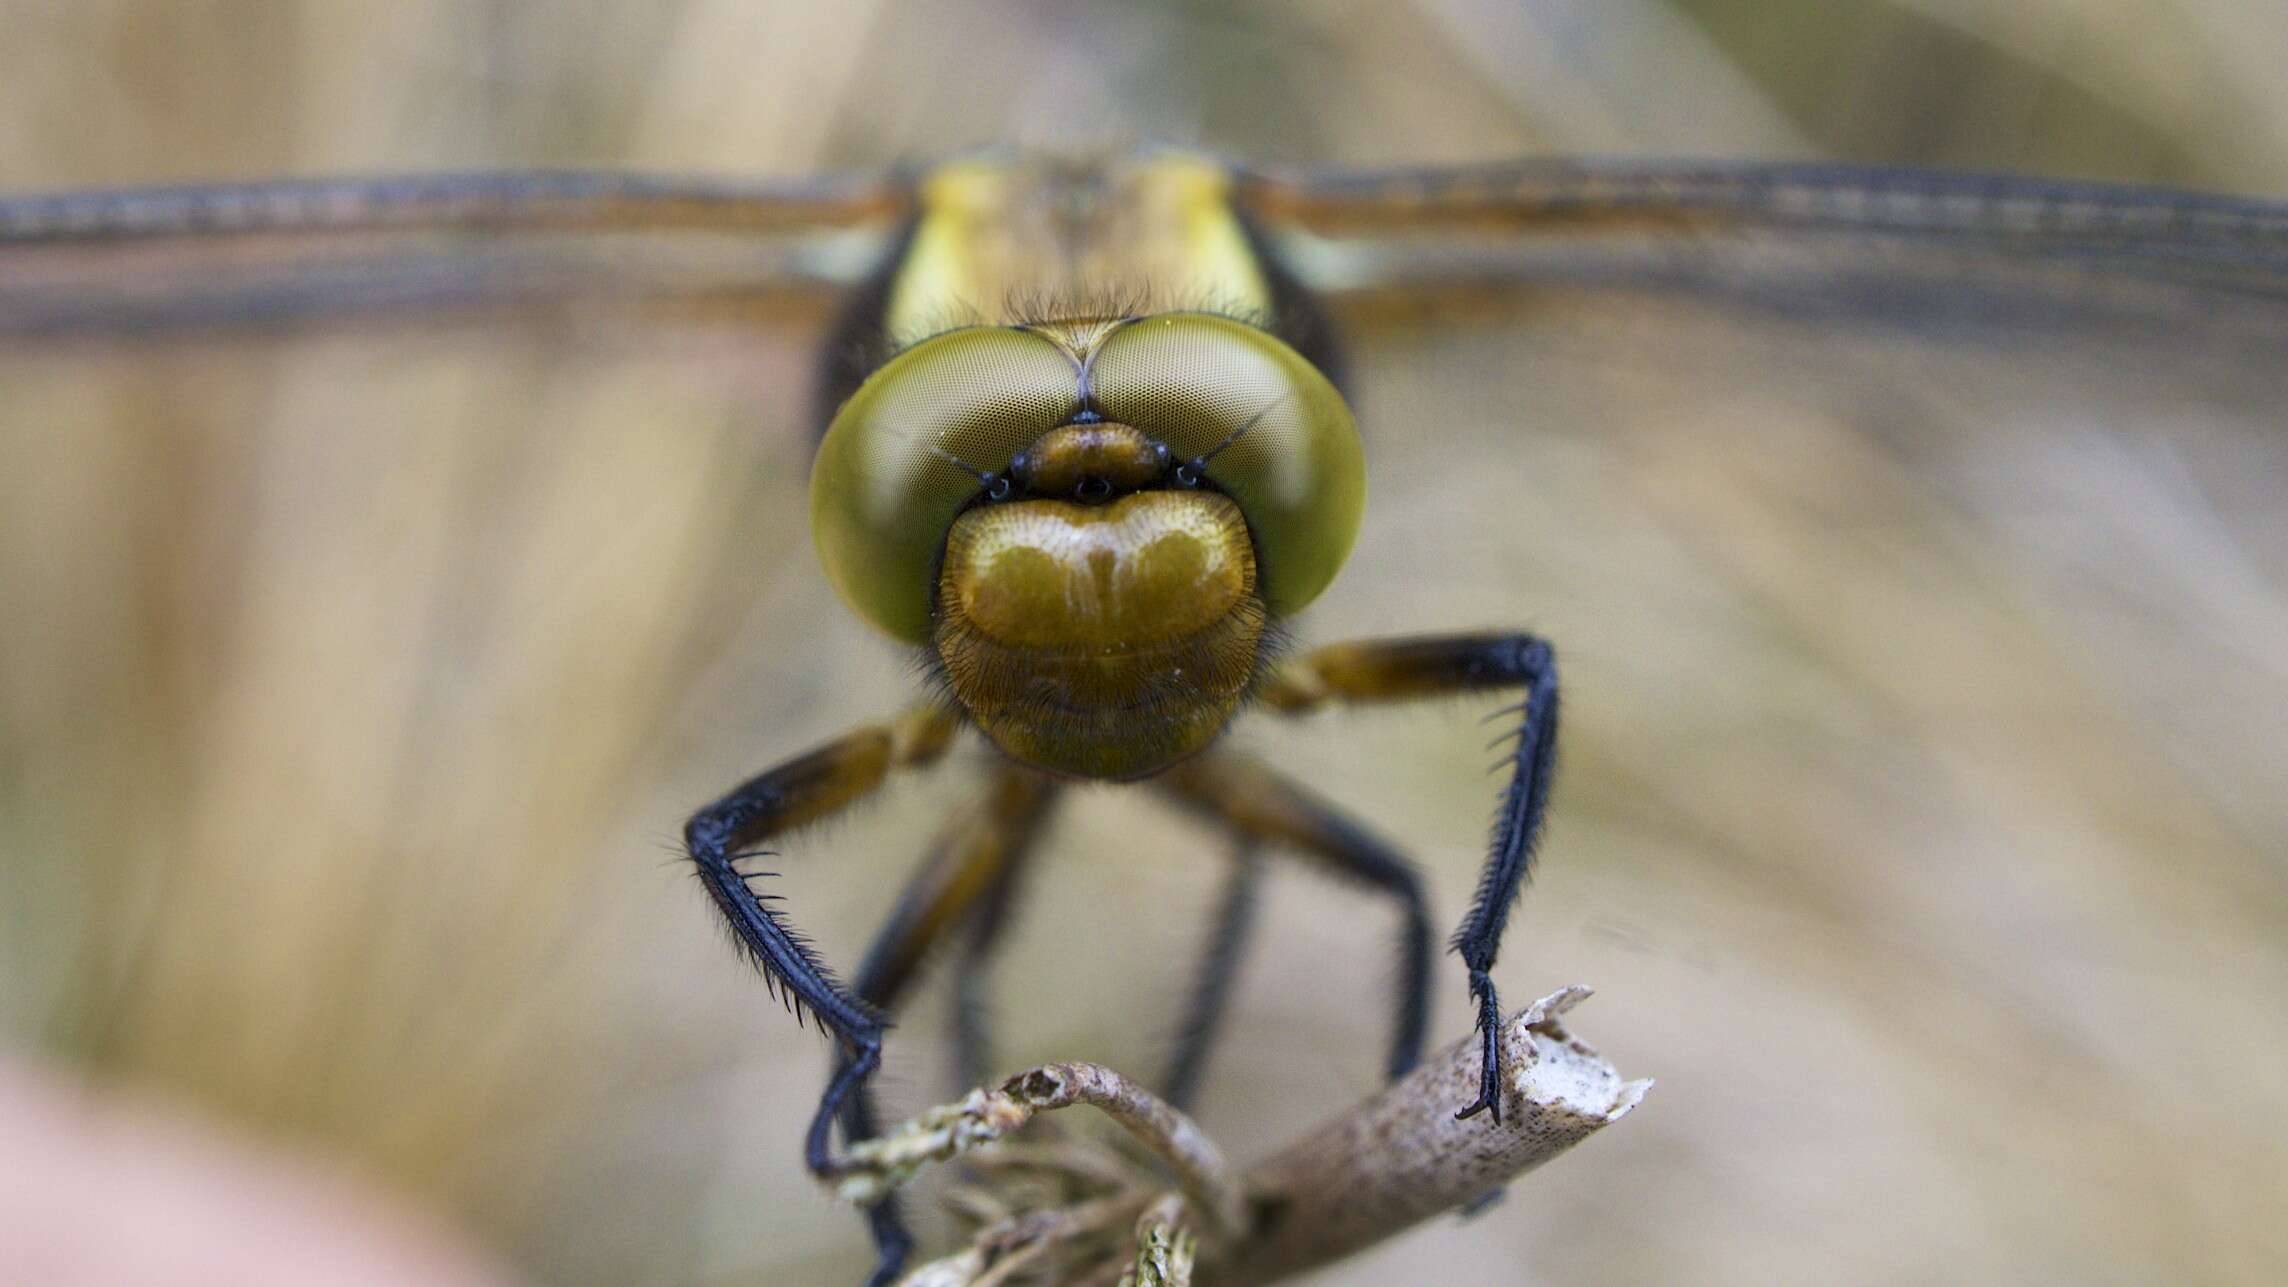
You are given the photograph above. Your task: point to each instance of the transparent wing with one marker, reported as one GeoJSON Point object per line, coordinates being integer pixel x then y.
{"type": "Point", "coordinates": [1808, 239]}
{"type": "Point", "coordinates": [1921, 381]}
{"type": "Point", "coordinates": [266, 253]}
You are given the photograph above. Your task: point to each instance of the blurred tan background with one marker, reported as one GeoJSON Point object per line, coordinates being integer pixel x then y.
{"type": "Point", "coordinates": [1924, 819]}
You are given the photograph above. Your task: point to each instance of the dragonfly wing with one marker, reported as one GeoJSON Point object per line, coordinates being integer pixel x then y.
{"type": "Point", "coordinates": [1808, 239]}
{"type": "Point", "coordinates": [2080, 383]}
{"type": "Point", "coordinates": [264, 254]}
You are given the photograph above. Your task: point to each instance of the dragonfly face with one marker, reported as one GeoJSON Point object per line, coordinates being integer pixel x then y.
{"type": "Point", "coordinates": [1133, 425]}
{"type": "Point", "coordinates": [1111, 509]}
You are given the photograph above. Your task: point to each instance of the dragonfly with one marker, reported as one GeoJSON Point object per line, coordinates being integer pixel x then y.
{"type": "Point", "coordinates": [1087, 448]}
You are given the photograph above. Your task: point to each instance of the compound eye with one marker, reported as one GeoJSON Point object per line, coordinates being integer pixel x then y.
{"type": "Point", "coordinates": [1278, 438]}
{"type": "Point", "coordinates": [914, 446]}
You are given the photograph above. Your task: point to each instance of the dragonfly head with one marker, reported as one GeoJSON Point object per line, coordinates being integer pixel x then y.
{"type": "Point", "coordinates": [1091, 527]}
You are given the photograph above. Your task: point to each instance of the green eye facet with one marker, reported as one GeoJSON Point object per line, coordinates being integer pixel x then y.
{"type": "Point", "coordinates": [897, 464]}
{"type": "Point", "coordinates": [1279, 438]}
{"type": "Point", "coordinates": [905, 453]}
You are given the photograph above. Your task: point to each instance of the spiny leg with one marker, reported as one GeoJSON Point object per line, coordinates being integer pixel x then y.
{"type": "Point", "coordinates": [1443, 665]}
{"type": "Point", "coordinates": [802, 790]}
{"type": "Point", "coordinates": [1217, 971]}
{"type": "Point", "coordinates": [1263, 805]}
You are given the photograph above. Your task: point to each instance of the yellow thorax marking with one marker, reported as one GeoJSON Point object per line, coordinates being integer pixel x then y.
{"type": "Point", "coordinates": [1026, 240]}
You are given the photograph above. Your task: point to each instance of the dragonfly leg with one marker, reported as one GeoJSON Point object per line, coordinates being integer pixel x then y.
{"type": "Point", "coordinates": [1213, 977]}
{"type": "Point", "coordinates": [1012, 821]}
{"type": "Point", "coordinates": [724, 834]}
{"type": "Point", "coordinates": [965, 880]}
{"type": "Point", "coordinates": [1401, 669]}
{"type": "Point", "coordinates": [1264, 806]}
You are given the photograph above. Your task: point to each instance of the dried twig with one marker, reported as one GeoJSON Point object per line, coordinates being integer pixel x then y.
{"type": "Point", "coordinates": [1401, 1157]}
{"type": "Point", "coordinates": [1389, 1163]}
{"type": "Point", "coordinates": [875, 1167]}
{"type": "Point", "coordinates": [1165, 1248]}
